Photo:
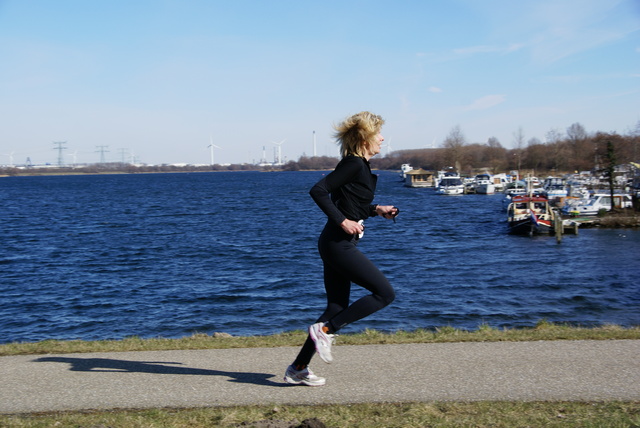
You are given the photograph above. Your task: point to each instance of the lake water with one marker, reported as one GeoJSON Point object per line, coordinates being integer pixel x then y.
{"type": "Point", "coordinates": [167, 255]}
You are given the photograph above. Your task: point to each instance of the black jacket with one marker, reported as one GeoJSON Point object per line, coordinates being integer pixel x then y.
{"type": "Point", "coordinates": [348, 191]}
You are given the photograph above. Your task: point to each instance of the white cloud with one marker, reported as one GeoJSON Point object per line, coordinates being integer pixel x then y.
{"type": "Point", "coordinates": [434, 89]}
{"type": "Point", "coordinates": [486, 102]}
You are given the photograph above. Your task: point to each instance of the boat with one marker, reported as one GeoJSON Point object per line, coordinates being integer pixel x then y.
{"type": "Point", "coordinates": [596, 203]}
{"type": "Point", "coordinates": [512, 189]}
{"type": "Point", "coordinates": [404, 169]}
{"type": "Point", "coordinates": [484, 184]}
{"type": "Point", "coordinates": [500, 181]}
{"type": "Point", "coordinates": [469, 185]}
{"type": "Point", "coordinates": [532, 182]}
{"type": "Point", "coordinates": [418, 178]}
{"type": "Point", "coordinates": [450, 184]}
{"type": "Point", "coordinates": [554, 189]}
{"type": "Point", "coordinates": [530, 215]}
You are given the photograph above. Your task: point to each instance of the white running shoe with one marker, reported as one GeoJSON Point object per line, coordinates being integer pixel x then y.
{"type": "Point", "coordinates": [322, 340]}
{"type": "Point", "coordinates": [304, 377]}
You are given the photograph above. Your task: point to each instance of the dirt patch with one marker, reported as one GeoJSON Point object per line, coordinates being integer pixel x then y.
{"type": "Point", "coordinates": [276, 423]}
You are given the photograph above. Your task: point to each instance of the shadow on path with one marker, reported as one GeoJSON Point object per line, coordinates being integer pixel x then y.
{"type": "Point", "coordinates": [156, 367]}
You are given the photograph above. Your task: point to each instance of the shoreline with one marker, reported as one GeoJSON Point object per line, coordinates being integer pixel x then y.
{"type": "Point", "coordinates": [542, 331]}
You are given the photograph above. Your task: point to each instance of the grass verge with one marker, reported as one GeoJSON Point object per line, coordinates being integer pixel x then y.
{"type": "Point", "coordinates": [542, 331]}
{"type": "Point", "coordinates": [437, 414]}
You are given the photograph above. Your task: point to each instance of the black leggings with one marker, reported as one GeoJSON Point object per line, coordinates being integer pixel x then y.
{"type": "Point", "coordinates": [344, 264]}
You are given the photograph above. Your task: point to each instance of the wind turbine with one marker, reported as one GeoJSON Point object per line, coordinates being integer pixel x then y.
{"type": "Point", "coordinates": [279, 157]}
{"type": "Point", "coordinates": [314, 144]}
{"type": "Point", "coordinates": [388, 146]}
{"type": "Point", "coordinates": [212, 146]}
{"type": "Point", "coordinates": [10, 158]}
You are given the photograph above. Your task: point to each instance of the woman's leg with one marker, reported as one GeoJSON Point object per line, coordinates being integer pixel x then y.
{"type": "Point", "coordinates": [338, 289]}
{"type": "Point", "coordinates": [352, 264]}
{"type": "Point", "coordinates": [343, 264]}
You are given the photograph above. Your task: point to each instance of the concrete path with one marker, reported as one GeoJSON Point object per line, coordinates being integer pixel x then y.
{"type": "Point", "coordinates": [526, 371]}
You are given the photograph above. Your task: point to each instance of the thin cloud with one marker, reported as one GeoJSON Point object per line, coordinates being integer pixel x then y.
{"type": "Point", "coordinates": [486, 102]}
{"type": "Point", "coordinates": [434, 89]}
{"type": "Point", "coordinates": [568, 30]}
{"type": "Point", "coordinates": [472, 50]}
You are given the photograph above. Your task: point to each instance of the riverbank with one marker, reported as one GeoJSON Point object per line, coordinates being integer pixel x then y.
{"type": "Point", "coordinates": [625, 219]}
{"type": "Point", "coordinates": [543, 330]}
{"type": "Point", "coordinates": [617, 220]}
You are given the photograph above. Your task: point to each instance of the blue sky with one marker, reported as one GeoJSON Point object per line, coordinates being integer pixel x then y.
{"type": "Point", "coordinates": [159, 79]}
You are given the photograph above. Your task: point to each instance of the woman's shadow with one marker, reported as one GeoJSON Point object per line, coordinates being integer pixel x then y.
{"type": "Point", "coordinates": [156, 367]}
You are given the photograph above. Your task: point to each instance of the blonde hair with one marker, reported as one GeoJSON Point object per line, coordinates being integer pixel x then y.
{"type": "Point", "coordinates": [356, 133]}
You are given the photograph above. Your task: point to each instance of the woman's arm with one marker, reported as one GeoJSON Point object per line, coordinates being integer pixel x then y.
{"type": "Point", "coordinates": [344, 173]}
{"type": "Point", "coordinates": [387, 211]}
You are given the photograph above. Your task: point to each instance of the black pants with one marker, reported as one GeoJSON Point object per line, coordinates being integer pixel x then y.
{"type": "Point", "coordinates": [344, 264]}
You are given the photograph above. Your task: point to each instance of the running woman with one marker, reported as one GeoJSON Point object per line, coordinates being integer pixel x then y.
{"type": "Point", "coordinates": [345, 196]}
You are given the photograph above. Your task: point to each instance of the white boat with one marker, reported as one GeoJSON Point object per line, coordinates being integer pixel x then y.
{"type": "Point", "coordinates": [484, 184]}
{"type": "Point", "coordinates": [554, 188]}
{"type": "Point", "coordinates": [517, 188]}
{"type": "Point", "coordinates": [404, 169]}
{"type": "Point", "coordinates": [500, 181]}
{"type": "Point", "coordinates": [450, 184]}
{"type": "Point", "coordinates": [596, 203]}
{"type": "Point", "coordinates": [532, 182]}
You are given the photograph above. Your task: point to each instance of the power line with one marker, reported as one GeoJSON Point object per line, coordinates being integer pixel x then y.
{"type": "Point", "coordinates": [102, 150]}
{"type": "Point", "coordinates": [123, 154]}
{"type": "Point", "coordinates": [60, 148]}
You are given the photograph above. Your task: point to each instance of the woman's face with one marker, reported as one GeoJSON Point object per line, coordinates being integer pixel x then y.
{"type": "Point", "coordinates": [375, 146]}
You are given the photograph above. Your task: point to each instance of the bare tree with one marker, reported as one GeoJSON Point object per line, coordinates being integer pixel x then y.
{"type": "Point", "coordinates": [518, 140]}
{"type": "Point", "coordinates": [453, 145]}
{"type": "Point", "coordinates": [579, 145]}
{"type": "Point", "coordinates": [496, 155]}
{"type": "Point", "coordinates": [554, 141]}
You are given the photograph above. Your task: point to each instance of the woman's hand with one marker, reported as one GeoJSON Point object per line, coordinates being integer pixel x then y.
{"type": "Point", "coordinates": [351, 227]}
{"type": "Point", "coordinates": [387, 211]}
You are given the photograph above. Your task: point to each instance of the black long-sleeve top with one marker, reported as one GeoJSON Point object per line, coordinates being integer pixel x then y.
{"type": "Point", "coordinates": [347, 192]}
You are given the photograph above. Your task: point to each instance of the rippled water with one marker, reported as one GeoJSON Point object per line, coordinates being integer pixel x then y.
{"type": "Point", "coordinates": [109, 256]}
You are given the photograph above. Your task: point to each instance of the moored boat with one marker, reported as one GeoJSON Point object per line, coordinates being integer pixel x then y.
{"type": "Point", "coordinates": [500, 181]}
{"type": "Point", "coordinates": [594, 204]}
{"type": "Point", "coordinates": [404, 169]}
{"type": "Point", "coordinates": [450, 184]}
{"type": "Point", "coordinates": [513, 189]}
{"type": "Point", "coordinates": [484, 184]}
{"type": "Point", "coordinates": [530, 215]}
{"type": "Point", "coordinates": [555, 189]}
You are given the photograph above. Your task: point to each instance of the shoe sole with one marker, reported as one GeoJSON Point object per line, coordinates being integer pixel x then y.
{"type": "Point", "coordinates": [291, 381]}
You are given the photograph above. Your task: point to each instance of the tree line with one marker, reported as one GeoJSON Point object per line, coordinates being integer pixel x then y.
{"type": "Point", "coordinates": [574, 150]}
{"type": "Point", "coordinates": [560, 153]}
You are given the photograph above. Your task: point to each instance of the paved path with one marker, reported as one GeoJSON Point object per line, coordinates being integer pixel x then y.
{"type": "Point", "coordinates": [553, 370]}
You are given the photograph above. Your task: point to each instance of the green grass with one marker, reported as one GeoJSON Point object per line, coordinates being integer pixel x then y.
{"type": "Point", "coordinates": [437, 414]}
{"type": "Point", "coordinates": [485, 333]}
{"type": "Point", "coordinates": [433, 414]}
